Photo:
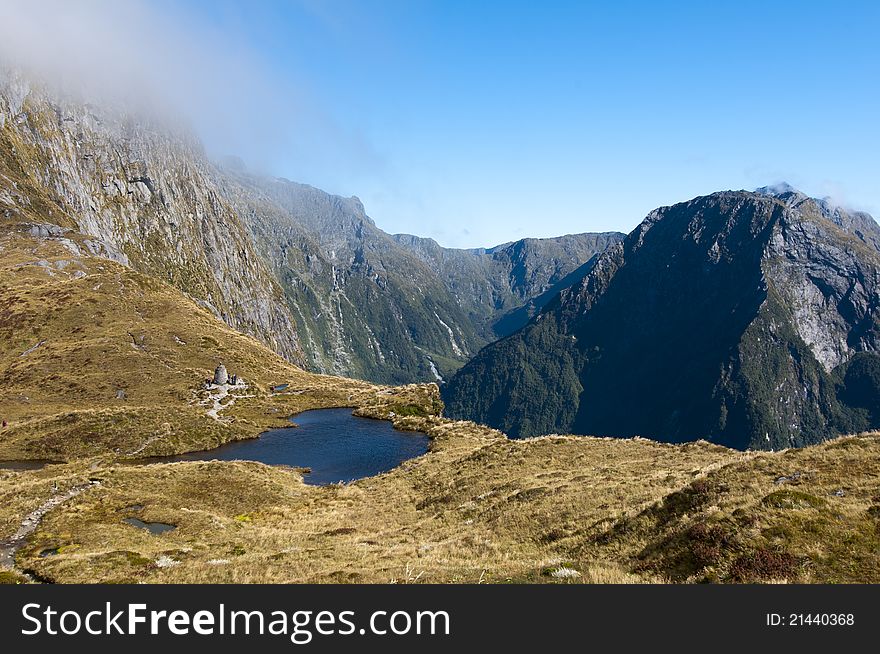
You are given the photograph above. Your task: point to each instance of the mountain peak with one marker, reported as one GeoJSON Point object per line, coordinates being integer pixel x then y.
{"type": "Point", "coordinates": [684, 331]}
{"type": "Point", "coordinates": [778, 189]}
{"type": "Point", "coordinates": [858, 223]}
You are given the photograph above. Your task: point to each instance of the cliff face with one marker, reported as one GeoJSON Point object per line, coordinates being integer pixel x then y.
{"type": "Point", "coordinates": [145, 195]}
{"type": "Point", "coordinates": [306, 272]}
{"type": "Point", "coordinates": [743, 318]}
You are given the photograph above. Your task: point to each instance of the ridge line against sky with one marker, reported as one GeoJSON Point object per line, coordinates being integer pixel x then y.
{"type": "Point", "coordinates": [481, 123]}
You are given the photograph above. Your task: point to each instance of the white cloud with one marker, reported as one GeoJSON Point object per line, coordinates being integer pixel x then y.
{"type": "Point", "coordinates": [157, 57]}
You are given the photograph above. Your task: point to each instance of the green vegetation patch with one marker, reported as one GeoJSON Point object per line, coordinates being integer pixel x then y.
{"type": "Point", "coordinates": [793, 499]}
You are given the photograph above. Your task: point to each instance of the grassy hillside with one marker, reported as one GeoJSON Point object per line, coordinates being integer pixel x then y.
{"type": "Point", "coordinates": [96, 358]}
{"type": "Point", "coordinates": [477, 508]}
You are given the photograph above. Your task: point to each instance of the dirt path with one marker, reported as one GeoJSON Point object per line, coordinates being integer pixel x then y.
{"type": "Point", "coordinates": [220, 393]}
{"type": "Point", "coordinates": [31, 349]}
{"type": "Point", "coordinates": [32, 520]}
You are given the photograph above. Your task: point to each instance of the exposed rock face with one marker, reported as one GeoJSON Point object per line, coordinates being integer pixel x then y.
{"type": "Point", "coordinates": [364, 307]}
{"type": "Point", "coordinates": [306, 272]}
{"type": "Point", "coordinates": [735, 317]}
{"type": "Point", "coordinates": [858, 223]}
{"type": "Point", "coordinates": [144, 193]}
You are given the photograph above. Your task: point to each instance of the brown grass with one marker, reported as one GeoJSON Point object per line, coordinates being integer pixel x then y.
{"type": "Point", "coordinates": [477, 508]}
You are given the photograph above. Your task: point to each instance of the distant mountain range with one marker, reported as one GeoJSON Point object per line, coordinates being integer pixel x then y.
{"type": "Point", "coordinates": [390, 309]}
{"type": "Point", "coordinates": [751, 319]}
{"type": "Point", "coordinates": [748, 319]}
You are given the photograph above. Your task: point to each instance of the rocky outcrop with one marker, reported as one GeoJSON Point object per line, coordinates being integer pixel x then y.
{"type": "Point", "coordinates": [734, 317]}
{"type": "Point", "coordinates": [144, 193]}
{"type": "Point", "coordinates": [857, 223]}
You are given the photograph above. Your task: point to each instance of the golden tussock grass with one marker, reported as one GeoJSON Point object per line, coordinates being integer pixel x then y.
{"type": "Point", "coordinates": [477, 508]}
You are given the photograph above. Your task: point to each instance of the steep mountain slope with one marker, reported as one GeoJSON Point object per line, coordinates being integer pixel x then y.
{"type": "Point", "coordinates": [365, 306]}
{"type": "Point", "coordinates": [502, 287]}
{"type": "Point", "coordinates": [143, 193]}
{"type": "Point", "coordinates": [389, 309]}
{"type": "Point", "coordinates": [307, 273]}
{"type": "Point", "coordinates": [743, 318]}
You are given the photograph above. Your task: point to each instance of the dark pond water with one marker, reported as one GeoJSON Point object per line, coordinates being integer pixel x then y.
{"type": "Point", "coordinates": [32, 464]}
{"type": "Point", "coordinates": [152, 527]}
{"type": "Point", "coordinates": [333, 443]}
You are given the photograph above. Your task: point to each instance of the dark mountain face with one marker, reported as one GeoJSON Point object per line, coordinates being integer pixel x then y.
{"type": "Point", "coordinates": [747, 319]}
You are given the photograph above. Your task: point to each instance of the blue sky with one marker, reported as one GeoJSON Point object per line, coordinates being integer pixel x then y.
{"type": "Point", "coordinates": [480, 122]}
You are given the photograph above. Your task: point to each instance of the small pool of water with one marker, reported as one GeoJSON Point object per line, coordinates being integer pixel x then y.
{"type": "Point", "coordinates": [333, 443]}
{"type": "Point", "coordinates": [152, 527]}
{"type": "Point", "coordinates": [32, 464]}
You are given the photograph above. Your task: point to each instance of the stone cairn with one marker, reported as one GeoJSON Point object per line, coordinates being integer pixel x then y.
{"type": "Point", "coordinates": [220, 375]}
